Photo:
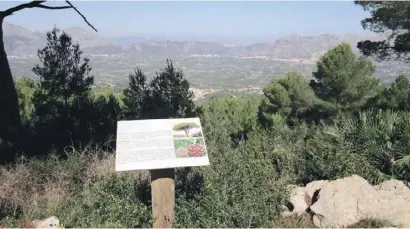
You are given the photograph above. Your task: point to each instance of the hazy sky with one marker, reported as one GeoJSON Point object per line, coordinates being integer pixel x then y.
{"type": "Point", "coordinates": [258, 19]}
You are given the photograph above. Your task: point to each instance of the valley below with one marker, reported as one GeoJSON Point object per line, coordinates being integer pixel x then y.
{"type": "Point", "coordinates": [206, 75]}
{"type": "Point", "coordinates": [209, 66]}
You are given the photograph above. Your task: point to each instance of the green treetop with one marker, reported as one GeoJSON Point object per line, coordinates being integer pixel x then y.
{"type": "Point", "coordinates": [344, 79]}
{"type": "Point", "coordinates": [387, 16]}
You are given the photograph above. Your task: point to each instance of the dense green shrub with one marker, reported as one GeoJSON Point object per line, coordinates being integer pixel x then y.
{"type": "Point", "coordinates": [380, 138]}
{"type": "Point", "coordinates": [234, 115]}
{"type": "Point", "coordinates": [111, 202]}
{"type": "Point", "coordinates": [241, 189]}
{"type": "Point", "coordinates": [396, 96]}
{"type": "Point", "coordinates": [325, 157]}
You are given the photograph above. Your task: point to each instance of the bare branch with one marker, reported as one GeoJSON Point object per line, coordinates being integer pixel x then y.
{"type": "Point", "coordinates": [38, 4]}
{"type": "Point", "coordinates": [85, 19]}
{"type": "Point", "coordinates": [20, 7]}
{"type": "Point", "coordinates": [32, 4]}
{"type": "Point", "coordinates": [54, 7]}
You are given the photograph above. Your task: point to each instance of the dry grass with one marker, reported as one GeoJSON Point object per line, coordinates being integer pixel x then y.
{"type": "Point", "coordinates": [371, 223]}
{"type": "Point", "coordinates": [305, 221]}
{"type": "Point", "coordinates": [35, 189]}
{"type": "Point", "coordinates": [100, 166]}
{"type": "Point", "coordinates": [294, 221]}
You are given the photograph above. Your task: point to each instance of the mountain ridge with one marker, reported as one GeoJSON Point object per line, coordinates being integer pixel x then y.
{"type": "Point", "coordinates": [21, 41]}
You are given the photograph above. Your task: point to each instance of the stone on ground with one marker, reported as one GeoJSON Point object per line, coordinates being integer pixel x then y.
{"type": "Point", "coordinates": [344, 202]}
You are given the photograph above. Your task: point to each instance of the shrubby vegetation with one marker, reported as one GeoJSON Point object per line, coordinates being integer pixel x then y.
{"type": "Point", "coordinates": [342, 122]}
{"type": "Point", "coordinates": [82, 190]}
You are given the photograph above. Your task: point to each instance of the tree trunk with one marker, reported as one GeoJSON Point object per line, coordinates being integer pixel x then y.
{"type": "Point", "coordinates": [10, 122]}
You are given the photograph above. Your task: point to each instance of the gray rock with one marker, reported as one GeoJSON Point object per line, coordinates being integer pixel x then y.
{"type": "Point", "coordinates": [312, 187]}
{"type": "Point", "coordinates": [298, 201]}
{"type": "Point", "coordinates": [302, 197]}
{"type": "Point", "coordinates": [346, 201]}
{"type": "Point", "coordinates": [393, 203]}
{"type": "Point", "coordinates": [51, 222]}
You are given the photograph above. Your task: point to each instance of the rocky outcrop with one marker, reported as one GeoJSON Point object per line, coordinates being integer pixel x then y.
{"type": "Point", "coordinates": [343, 202]}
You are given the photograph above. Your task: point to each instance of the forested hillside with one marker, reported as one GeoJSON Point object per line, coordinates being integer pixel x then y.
{"type": "Point", "coordinates": [342, 122]}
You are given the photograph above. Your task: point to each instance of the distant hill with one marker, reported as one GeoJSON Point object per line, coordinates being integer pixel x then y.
{"type": "Point", "coordinates": [206, 64]}
{"type": "Point", "coordinates": [21, 41]}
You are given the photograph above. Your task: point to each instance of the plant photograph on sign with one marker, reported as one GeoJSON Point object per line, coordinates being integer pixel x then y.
{"type": "Point", "coordinates": [192, 147]}
{"type": "Point", "coordinates": [186, 130]}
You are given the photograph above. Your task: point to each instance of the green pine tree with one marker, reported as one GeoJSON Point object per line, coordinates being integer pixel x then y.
{"type": "Point", "coordinates": [344, 79]}
{"type": "Point", "coordinates": [64, 80]}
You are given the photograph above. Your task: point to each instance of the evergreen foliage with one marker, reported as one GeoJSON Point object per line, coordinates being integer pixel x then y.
{"type": "Point", "coordinates": [393, 18]}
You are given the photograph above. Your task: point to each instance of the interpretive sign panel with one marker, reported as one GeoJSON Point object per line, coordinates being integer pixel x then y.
{"type": "Point", "coordinates": [160, 144]}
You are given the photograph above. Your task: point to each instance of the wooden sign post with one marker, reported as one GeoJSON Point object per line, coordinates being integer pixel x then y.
{"type": "Point", "coordinates": [163, 197]}
{"type": "Point", "coordinates": [160, 145]}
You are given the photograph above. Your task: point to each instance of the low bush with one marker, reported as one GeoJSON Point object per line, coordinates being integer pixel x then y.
{"type": "Point", "coordinates": [241, 189]}
{"type": "Point", "coordinates": [82, 190]}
